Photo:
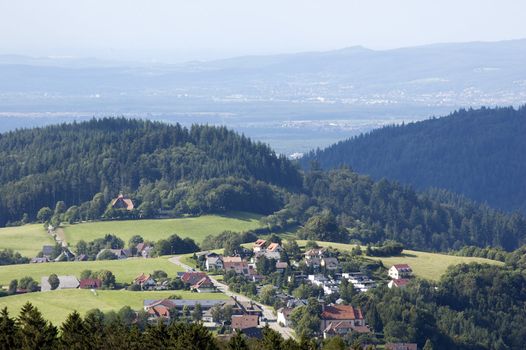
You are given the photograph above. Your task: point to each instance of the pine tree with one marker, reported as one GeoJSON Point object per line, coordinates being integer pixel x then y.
{"type": "Point", "coordinates": [34, 331]}
{"type": "Point", "coordinates": [73, 333]}
{"type": "Point", "coordinates": [8, 330]}
{"type": "Point", "coordinates": [238, 342]}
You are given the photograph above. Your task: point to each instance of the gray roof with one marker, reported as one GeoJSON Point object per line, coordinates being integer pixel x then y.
{"type": "Point", "coordinates": [205, 303]}
{"type": "Point", "coordinates": [66, 282]}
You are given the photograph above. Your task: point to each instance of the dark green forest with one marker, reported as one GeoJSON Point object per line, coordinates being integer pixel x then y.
{"type": "Point", "coordinates": [73, 162]}
{"type": "Point", "coordinates": [169, 170]}
{"type": "Point", "coordinates": [478, 153]}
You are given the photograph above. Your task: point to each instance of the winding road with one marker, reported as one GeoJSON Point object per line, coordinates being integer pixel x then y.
{"type": "Point", "coordinates": [268, 312]}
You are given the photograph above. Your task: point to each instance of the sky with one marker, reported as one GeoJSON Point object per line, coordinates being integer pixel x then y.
{"type": "Point", "coordinates": [175, 30]}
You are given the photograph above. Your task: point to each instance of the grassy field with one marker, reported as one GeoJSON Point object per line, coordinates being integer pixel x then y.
{"type": "Point", "coordinates": [196, 228]}
{"type": "Point", "coordinates": [27, 239]}
{"type": "Point", "coordinates": [124, 270]}
{"type": "Point", "coordinates": [426, 265]}
{"type": "Point", "coordinates": [56, 305]}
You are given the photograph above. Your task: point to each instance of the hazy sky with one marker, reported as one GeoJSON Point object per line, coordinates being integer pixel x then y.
{"type": "Point", "coordinates": [206, 29]}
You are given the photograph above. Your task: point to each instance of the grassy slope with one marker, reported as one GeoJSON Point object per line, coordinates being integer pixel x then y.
{"type": "Point", "coordinates": [56, 305]}
{"type": "Point", "coordinates": [196, 228]}
{"type": "Point", "coordinates": [426, 265]}
{"type": "Point", "coordinates": [27, 239]}
{"type": "Point", "coordinates": [124, 270]}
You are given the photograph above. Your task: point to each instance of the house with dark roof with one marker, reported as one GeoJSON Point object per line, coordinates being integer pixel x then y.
{"type": "Point", "coordinates": [47, 250]}
{"type": "Point", "coordinates": [120, 253]}
{"type": "Point", "coordinates": [214, 262]}
{"type": "Point", "coordinates": [144, 250]}
{"type": "Point", "coordinates": [400, 271]}
{"type": "Point", "coordinates": [41, 260]}
{"type": "Point", "coordinates": [331, 264]}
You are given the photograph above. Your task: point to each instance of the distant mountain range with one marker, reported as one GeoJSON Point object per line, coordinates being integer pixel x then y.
{"type": "Point", "coordinates": [479, 153]}
{"type": "Point", "coordinates": [279, 99]}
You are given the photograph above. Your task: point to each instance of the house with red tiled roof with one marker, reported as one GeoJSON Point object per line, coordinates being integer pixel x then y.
{"type": "Point", "coordinates": [259, 245]}
{"type": "Point", "coordinates": [204, 285]}
{"type": "Point", "coordinates": [398, 283]}
{"type": "Point", "coordinates": [240, 322]}
{"type": "Point", "coordinates": [90, 283]}
{"type": "Point", "coordinates": [335, 314]}
{"type": "Point", "coordinates": [235, 263]}
{"type": "Point", "coordinates": [192, 277]}
{"type": "Point", "coordinates": [122, 203]}
{"type": "Point", "coordinates": [273, 251]}
{"type": "Point", "coordinates": [145, 281]}
{"type": "Point", "coordinates": [400, 271]}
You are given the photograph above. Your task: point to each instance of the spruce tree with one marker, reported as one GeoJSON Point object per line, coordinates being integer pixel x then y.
{"type": "Point", "coordinates": [8, 330]}
{"type": "Point", "coordinates": [73, 333]}
{"type": "Point", "coordinates": [34, 332]}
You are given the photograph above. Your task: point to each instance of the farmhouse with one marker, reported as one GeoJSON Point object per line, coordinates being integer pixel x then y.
{"type": "Point", "coordinates": [400, 271]}
{"type": "Point", "coordinates": [65, 282]}
{"type": "Point", "coordinates": [122, 203]}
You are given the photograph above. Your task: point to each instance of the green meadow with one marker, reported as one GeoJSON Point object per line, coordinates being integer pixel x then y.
{"type": "Point", "coordinates": [27, 239]}
{"type": "Point", "coordinates": [124, 270]}
{"type": "Point", "coordinates": [196, 228]}
{"type": "Point", "coordinates": [57, 305]}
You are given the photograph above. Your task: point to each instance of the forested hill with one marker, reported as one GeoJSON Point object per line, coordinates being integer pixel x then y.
{"type": "Point", "coordinates": [478, 153]}
{"type": "Point", "coordinates": [73, 162]}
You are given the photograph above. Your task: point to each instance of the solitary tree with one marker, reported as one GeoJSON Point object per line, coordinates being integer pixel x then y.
{"type": "Point", "coordinates": [54, 281]}
{"type": "Point", "coordinates": [44, 214]}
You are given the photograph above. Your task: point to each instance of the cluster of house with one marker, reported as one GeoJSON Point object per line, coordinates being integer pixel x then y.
{"type": "Point", "coordinates": [142, 250]}
{"type": "Point", "coordinates": [400, 275]}
{"type": "Point", "coordinates": [245, 315]}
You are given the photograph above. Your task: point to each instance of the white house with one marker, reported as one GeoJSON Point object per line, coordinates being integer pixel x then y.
{"type": "Point", "coordinates": [273, 251]}
{"type": "Point", "coordinates": [259, 245]}
{"type": "Point", "coordinates": [398, 283]}
{"type": "Point", "coordinates": [283, 316]}
{"type": "Point", "coordinates": [214, 262]}
{"type": "Point", "coordinates": [400, 271]}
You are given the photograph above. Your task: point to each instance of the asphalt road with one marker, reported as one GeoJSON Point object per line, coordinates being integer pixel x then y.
{"type": "Point", "coordinates": [268, 312]}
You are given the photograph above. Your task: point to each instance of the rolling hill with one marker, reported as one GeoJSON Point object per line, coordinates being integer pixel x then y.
{"type": "Point", "coordinates": [477, 153]}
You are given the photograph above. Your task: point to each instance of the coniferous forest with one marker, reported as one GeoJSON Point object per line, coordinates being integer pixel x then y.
{"type": "Point", "coordinates": [171, 170]}
{"type": "Point", "coordinates": [478, 153]}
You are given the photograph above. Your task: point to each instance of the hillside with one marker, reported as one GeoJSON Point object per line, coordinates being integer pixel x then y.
{"type": "Point", "coordinates": [74, 162]}
{"type": "Point", "coordinates": [477, 153]}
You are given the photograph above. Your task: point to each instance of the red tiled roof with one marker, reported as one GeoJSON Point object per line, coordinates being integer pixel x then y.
{"type": "Point", "coordinates": [272, 247]}
{"type": "Point", "coordinates": [90, 283]}
{"type": "Point", "coordinates": [142, 278]}
{"type": "Point", "coordinates": [343, 325]}
{"type": "Point", "coordinates": [192, 277]}
{"type": "Point", "coordinates": [402, 266]}
{"type": "Point", "coordinates": [260, 243]}
{"type": "Point", "coordinates": [203, 282]}
{"type": "Point", "coordinates": [341, 312]}
{"type": "Point", "coordinates": [159, 311]}
{"type": "Point", "coordinates": [400, 282]}
{"type": "Point", "coordinates": [122, 202]}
